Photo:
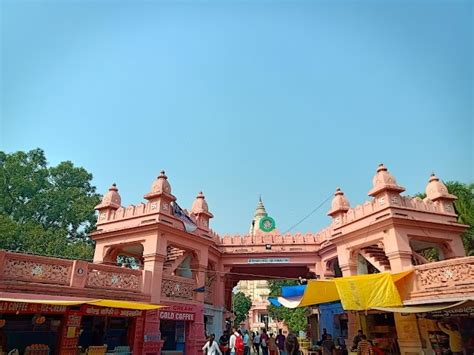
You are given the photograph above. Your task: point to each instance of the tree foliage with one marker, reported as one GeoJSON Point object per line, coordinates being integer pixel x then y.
{"type": "Point", "coordinates": [45, 209]}
{"type": "Point", "coordinates": [295, 319]}
{"type": "Point", "coordinates": [241, 305]}
{"type": "Point", "coordinates": [464, 207]}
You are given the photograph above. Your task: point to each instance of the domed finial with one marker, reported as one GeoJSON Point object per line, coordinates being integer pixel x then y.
{"type": "Point", "coordinates": [200, 205]}
{"type": "Point", "coordinates": [436, 189]}
{"type": "Point", "coordinates": [383, 180]}
{"type": "Point", "coordinates": [160, 186]}
{"type": "Point", "coordinates": [433, 177]}
{"type": "Point", "coordinates": [111, 199]}
{"type": "Point", "coordinates": [339, 203]}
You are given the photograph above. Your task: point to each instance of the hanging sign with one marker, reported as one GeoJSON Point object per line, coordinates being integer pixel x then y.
{"type": "Point", "coordinates": [268, 261]}
{"type": "Point", "coordinates": [13, 307]}
{"type": "Point", "coordinates": [111, 312]}
{"type": "Point", "coordinates": [171, 315]}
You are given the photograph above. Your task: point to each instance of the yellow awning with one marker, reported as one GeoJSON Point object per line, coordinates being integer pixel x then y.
{"type": "Point", "coordinates": [365, 292]}
{"type": "Point", "coordinates": [125, 304]}
{"type": "Point", "coordinates": [45, 301]}
{"type": "Point", "coordinates": [319, 292]}
{"type": "Point", "coordinates": [361, 292]}
{"type": "Point", "coordinates": [423, 308]}
{"type": "Point", "coordinates": [94, 302]}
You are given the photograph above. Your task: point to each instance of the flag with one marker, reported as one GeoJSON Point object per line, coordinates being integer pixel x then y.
{"type": "Point", "coordinates": [189, 225]}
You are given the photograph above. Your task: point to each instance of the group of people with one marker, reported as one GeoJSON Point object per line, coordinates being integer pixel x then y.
{"type": "Point", "coordinates": [360, 345]}
{"type": "Point", "coordinates": [241, 342]}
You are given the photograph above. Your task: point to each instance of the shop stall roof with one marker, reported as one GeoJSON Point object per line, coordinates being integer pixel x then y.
{"type": "Point", "coordinates": [72, 301]}
{"type": "Point", "coordinates": [427, 308]}
{"type": "Point", "coordinates": [361, 292]}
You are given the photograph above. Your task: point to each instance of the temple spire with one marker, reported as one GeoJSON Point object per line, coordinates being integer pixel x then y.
{"type": "Point", "coordinates": [260, 212]}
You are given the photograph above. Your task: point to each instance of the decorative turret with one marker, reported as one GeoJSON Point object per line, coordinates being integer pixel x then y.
{"type": "Point", "coordinates": [111, 201]}
{"type": "Point", "coordinates": [160, 195]}
{"type": "Point", "coordinates": [385, 188]}
{"type": "Point", "coordinates": [200, 210]}
{"type": "Point", "coordinates": [339, 206]}
{"type": "Point", "coordinates": [437, 192]}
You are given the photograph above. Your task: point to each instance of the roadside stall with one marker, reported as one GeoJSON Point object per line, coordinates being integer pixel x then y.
{"type": "Point", "coordinates": [68, 326]}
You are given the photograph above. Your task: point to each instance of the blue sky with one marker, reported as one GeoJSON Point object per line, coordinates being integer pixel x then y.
{"type": "Point", "coordinates": [241, 98]}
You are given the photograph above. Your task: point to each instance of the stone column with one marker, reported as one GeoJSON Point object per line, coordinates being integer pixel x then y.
{"type": "Point", "coordinates": [349, 269]}
{"type": "Point", "coordinates": [400, 260]}
{"type": "Point", "coordinates": [152, 336]}
{"type": "Point", "coordinates": [353, 325]}
{"type": "Point", "coordinates": [196, 339]}
{"type": "Point", "coordinates": [454, 248]}
{"type": "Point", "coordinates": [201, 281]}
{"type": "Point", "coordinates": [398, 250]}
{"type": "Point", "coordinates": [408, 334]}
{"type": "Point", "coordinates": [154, 263]}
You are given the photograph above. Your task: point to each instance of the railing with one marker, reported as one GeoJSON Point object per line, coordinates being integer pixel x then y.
{"type": "Point", "coordinates": [178, 287]}
{"type": "Point", "coordinates": [105, 276]}
{"type": "Point", "coordinates": [42, 270]}
{"type": "Point", "coordinates": [442, 280]}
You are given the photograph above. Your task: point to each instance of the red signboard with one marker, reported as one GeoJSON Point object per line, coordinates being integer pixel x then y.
{"type": "Point", "coordinates": [171, 315]}
{"type": "Point", "coordinates": [111, 312]}
{"type": "Point", "coordinates": [22, 308]}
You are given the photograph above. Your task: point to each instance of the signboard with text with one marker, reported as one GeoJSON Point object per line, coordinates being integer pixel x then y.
{"type": "Point", "coordinates": [170, 315]}
{"type": "Point", "coordinates": [13, 307]}
{"type": "Point", "coordinates": [268, 261]}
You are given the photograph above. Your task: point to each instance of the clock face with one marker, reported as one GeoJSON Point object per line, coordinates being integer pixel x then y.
{"type": "Point", "coordinates": [267, 224]}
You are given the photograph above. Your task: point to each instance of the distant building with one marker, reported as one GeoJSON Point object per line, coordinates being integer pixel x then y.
{"type": "Point", "coordinates": [258, 290]}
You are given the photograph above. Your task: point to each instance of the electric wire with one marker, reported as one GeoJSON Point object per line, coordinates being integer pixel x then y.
{"type": "Point", "coordinates": [308, 215]}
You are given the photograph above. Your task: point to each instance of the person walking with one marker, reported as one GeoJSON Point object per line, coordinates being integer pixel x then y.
{"type": "Point", "coordinates": [272, 347]}
{"type": "Point", "coordinates": [291, 345]}
{"type": "Point", "coordinates": [232, 340]}
{"type": "Point", "coordinates": [256, 343]}
{"type": "Point", "coordinates": [211, 347]}
{"type": "Point", "coordinates": [455, 338]}
{"type": "Point", "coordinates": [280, 341]}
{"type": "Point", "coordinates": [264, 342]}
{"type": "Point", "coordinates": [247, 342]}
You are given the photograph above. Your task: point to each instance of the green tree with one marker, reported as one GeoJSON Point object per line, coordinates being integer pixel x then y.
{"type": "Point", "coordinates": [464, 207]}
{"type": "Point", "coordinates": [241, 305]}
{"type": "Point", "coordinates": [295, 319]}
{"type": "Point", "coordinates": [45, 209]}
